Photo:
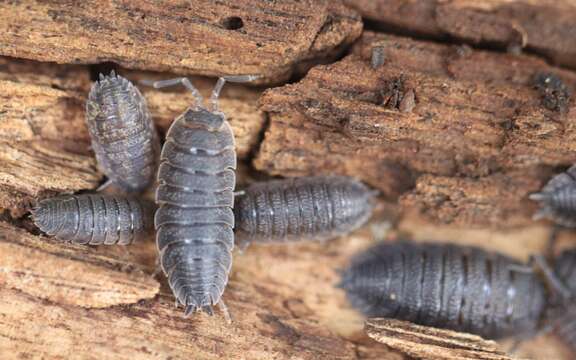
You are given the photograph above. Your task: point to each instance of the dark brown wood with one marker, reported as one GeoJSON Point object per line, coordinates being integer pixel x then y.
{"type": "Point", "coordinates": [476, 142]}
{"type": "Point", "coordinates": [205, 37]}
{"type": "Point", "coordinates": [543, 27]}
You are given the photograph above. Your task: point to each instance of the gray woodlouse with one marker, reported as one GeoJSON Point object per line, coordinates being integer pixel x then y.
{"type": "Point", "coordinates": [447, 286]}
{"type": "Point", "coordinates": [558, 199]}
{"type": "Point", "coordinates": [195, 196]}
{"type": "Point", "coordinates": [94, 218]}
{"type": "Point", "coordinates": [123, 136]}
{"type": "Point", "coordinates": [316, 207]}
{"type": "Point", "coordinates": [564, 314]}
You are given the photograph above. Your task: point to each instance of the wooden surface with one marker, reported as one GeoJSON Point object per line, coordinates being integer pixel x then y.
{"type": "Point", "coordinates": [422, 342]}
{"type": "Point", "coordinates": [477, 142]}
{"type": "Point", "coordinates": [543, 27]}
{"type": "Point", "coordinates": [454, 138]}
{"type": "Point", "coordinates": [205, 37]}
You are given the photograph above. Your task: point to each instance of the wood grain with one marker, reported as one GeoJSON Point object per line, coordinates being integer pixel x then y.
{"type": "Point", "coordinates": [200, 37]}
{"type": "Point", "coordinates": [476, 143]}
{"type": "Point", "coordinates": [543, 27]}
{"type": "Point", "coordinates": [423, 342]}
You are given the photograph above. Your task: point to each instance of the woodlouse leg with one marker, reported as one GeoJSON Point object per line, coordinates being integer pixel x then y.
{"type": "Point", "coordinates": [172, 82]}
{"type": "Point", "coordinates": [225, 312]}
{"type": "Point", "coordinates": [550, 278]}
{"type": "Point", "coordinates": [239, 193]}
{"type": "Point", "coordinates": [553, 241]}
{"type": "Point", "coordinates": [220, 83]}
{"type": "Point", "coordinates": [105, 185]}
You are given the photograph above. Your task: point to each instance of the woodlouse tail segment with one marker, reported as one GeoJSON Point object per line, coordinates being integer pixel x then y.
{"type": "Point", "coordinates": [173, 82]}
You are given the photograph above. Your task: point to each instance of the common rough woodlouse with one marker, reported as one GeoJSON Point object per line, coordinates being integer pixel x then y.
{"type": "Point", "coordinates": [315, 208]}
{"type": "Point", "coordinates": [558, 199]}
{"type": "Point", "coordinates": [448, 286]}
{"type": "Point", "coordinates": [195, 196]}
{"type": "Point", "coordinates": [124, 138]}
{"type": "Point", "coordinates": [94, 219]}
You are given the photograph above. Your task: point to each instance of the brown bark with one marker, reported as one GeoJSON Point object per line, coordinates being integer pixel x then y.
{"type": "Point", "coordinates": [422, 342]}
{"type": "Point", "coordinates": [543, 27]}
{"type": "Point", "coordinates": [200, 37]}
{"type": "Point", "coordinates": [476, 142]}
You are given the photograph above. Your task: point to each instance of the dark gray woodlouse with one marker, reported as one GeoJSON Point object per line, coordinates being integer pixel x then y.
{"type": "Point", "coordinates": [558, 199]}
{"type": "Point", "coordinates": [123, 136]}
{"type": "Point", "coordinates": [447, 286]}
{"type": "Point", "coordinates": [194, 220]}
{"type": "Point", "coordinates": [316, 207]}
{"type": "Point", "coordinates": [94, 219]}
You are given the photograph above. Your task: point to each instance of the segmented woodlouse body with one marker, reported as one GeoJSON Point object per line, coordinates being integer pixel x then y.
{"type": "Point", "coordinates": [447, 286]}
{"type": "Point", "coordinates": [94, 219]}
{"type": "Point", "coordinates": [123, 136]}
{"type": "Point", "coordinates": [558, 199]}
{"type": "Point", "coordinates": [563, 313]}
{"type": "Point", "coordinates": [194, 220]}
{"type": "Point", "coordinates": [316, 207]}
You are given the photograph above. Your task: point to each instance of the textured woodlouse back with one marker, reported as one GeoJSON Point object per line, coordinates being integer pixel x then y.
{"type": "Point", "coordinates": [558, 199]}
{"type": "Point", "coordinates": [94, 219]}
{"type": "Point", "coordinates": [317, 207]}
{"type": "Point", "coordinates": [123, 136]}
{"type": "Point", "coordinates": [459, 288]}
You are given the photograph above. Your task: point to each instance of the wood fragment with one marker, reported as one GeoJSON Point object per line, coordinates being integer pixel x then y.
{"type": "Point", "coordinates": [479, 125]}
{"type": "Point", "coordinates": [542, 27]}
{"type": "Point", "coordinates": [201, 37]}
{"type": "Point", "coordinates": [69, 274]}
{"type": "Point", "coordinates": [423, 342]}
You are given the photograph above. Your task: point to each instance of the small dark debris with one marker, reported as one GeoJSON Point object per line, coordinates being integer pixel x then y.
{"type": "Point", "coordinates": [232, 23]}
{"type": "Point", "coordinates": [395, 95]}
{"type": "Point", "coordinates": [554, 94]}
{"type": "Point", "coordinates": [378, 57]}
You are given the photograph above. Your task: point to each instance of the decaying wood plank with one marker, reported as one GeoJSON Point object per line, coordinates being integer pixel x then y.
{"type": "Point", "coordinates": [477, 121]}
{"type": "Point", "coordinates": [282, 300]}
{"type": "Point", "coordinates": [69, 274]}
{"type": "Point", "coordinates": [545, 27]}
{"type": "Point", "coordinates": [201, 37]}
{"type": "Point", "coordinates": [423, 342]}
{"type": "Point", "coordinates": [44, 142]}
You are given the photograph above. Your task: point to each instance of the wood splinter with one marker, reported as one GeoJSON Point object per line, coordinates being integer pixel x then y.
{"type": "Point", "coordinates": [423, 342]}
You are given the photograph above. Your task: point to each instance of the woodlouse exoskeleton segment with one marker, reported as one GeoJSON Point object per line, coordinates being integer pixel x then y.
{"type": "Point", "coordinates": [447, 286]}
{"type": "Point", "coordinates": [558, 199]}
{"type": "Point", "coordinates": [195, 196]}
{"type": "Point", "coordinates": [94, 219]}
{"type": "Point", "coordinates": [123, 136]}
{"type": "Point", "coordinates": [315, 208]}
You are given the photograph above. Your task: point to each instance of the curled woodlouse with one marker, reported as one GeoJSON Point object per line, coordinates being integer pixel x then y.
{"type": "Point", "coordinates": [316, 207]}
{"type": "Point", "coordinates": [447, 286]}
{"type": "Point", "coordinates": [94, 218]}
{"type": "Point", "coordinates": [558, 199]}
{"type": "Point", "coordinates": [123, 136]}
{"type": "Point", "coordinates": [194, 220]}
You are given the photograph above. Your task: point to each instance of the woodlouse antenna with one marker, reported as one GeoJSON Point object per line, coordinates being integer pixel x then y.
{"type": "Point", "coordinates": [220, 83]}
{"type": "Point", "coordinates": [173, 82]}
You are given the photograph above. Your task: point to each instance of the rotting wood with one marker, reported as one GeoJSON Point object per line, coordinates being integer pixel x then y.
{"type": "Point", "coordinates": [201, 37]}
{"type": "Point", "coordinates": [69, 274]}
{"type": "Point", "coordinates": [423, 342]}
{"type": "Point", "coordinates": [476, 142]}
{"type": "Point", "coordinates": [55, 301]}
{"type": "Point", "coordinates": [543, 27]}
{"type": "Point", "coordinates": [44, 142]}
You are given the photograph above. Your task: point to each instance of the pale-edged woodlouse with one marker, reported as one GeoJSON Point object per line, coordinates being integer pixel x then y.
{"type": "Point", "coordinates": [195, 196]}
{"type": "Point", "coordinates": [558, 199]}
{"type": "Point", "coordinates": [315, 208]}
{"type": "Point", "coordinates": [124, 138]}
{"type": "Point", "coordinates": [442, 285]}
{"type": "Point", "coordinates": [94, 219]}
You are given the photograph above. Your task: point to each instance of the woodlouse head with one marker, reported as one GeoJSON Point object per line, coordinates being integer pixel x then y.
{"type": "Point", "coordinates": [201, 117]}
